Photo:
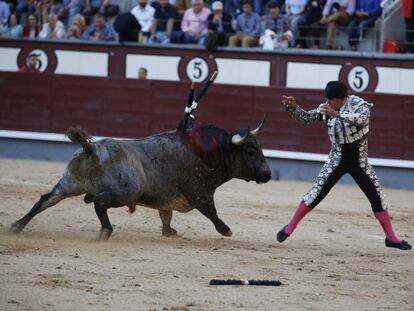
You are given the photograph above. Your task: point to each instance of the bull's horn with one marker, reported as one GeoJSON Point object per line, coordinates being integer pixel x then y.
{"type": "Point", "coordinates": [237, 139]}
{"type": "Point", "coordinates": [259, 128]}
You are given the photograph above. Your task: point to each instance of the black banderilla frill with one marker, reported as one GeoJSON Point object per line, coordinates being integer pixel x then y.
{"type": "Point", "coordinates": [192, 102]}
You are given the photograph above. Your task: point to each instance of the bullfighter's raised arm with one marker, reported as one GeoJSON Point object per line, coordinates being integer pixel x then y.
{"type": "Point", "coordinates": [298, 113]}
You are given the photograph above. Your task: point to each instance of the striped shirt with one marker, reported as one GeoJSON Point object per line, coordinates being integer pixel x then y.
{"type": "Point", "coordinates": [351, 125]}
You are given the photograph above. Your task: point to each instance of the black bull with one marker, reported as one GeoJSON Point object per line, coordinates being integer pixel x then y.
{"type": "Point", "coordinates": [170, 171]}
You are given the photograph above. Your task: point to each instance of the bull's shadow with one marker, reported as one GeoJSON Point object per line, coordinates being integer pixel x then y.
{"type": "Point", "coordinates": [178, 170]}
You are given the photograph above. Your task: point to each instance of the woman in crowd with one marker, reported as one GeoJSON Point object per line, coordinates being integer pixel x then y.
{"type": "Point", "coordinates": [32, 29]}
{"type": "Point", "coordinates": [12, 29]}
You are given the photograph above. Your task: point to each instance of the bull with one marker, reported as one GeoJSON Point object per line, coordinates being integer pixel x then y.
{"type": "Point", "coordinates": [173, 171]}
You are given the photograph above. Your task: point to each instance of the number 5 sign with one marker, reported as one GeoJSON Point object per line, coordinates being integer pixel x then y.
{"type": "Point", "coordinates": [197, 69]}
{"type": "Point", "coordinates": [358, 78]}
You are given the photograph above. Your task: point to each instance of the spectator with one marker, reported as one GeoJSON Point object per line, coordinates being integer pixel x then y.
{"type": "Point", "coordinates": [336, 13]}
{"type": "Point", "coordinates": [219, 27]}
{"type": "Point", "coordinates": [12, 29]}
{"type": "Point", "coordinates": [248, 27]}
{"type": "Point", "coordinates": [93, 7]}
{"type": "Point", "coordinates": [142, 73]}
{"type": "Point", "coordinates": [127, 27]}
{"type": "Point", "coordinates": [182, 6]}
{"type": "Point", "coordinates": [82, 22]}
{"type": "Point", "coordinates": [99, 30]}
{"type": "Point", "coordinates": [309, 26]}
{"type": "Point", "coordinates": [46, 7]}
{"type": "Point", "coordinates": [232, 7]}
{"type": "Point", "coordinates": [275, 21]}
{"type": "Point", "coordinates": [4, 12]}
{"type": "Point", "coordinates": [77, 28]}
{"type": "Point", "coordinates": [144, 13]}
{"type": "Point", "coordinates": [53, 29]}
{"type": "Point", "coordinates": [25, 6]}
{"type": "Point", "coordinates": [32, 29]}
{"type": "Point", "coordinates": [408, 13]}
{"type": "Point", "coordinates": [194, 24]}
{"type": "Point", "coordinates": [70, 9]}
{"type": "Point", "coordinates": [295, 11]}
{"type": "Point", "coordinates": [32, 64]}
{"type": "Point", "coordinates": [367, 12]}
{"type": "Point", "coordinates": [164, 25]}
{"type": "Point", "coordinates": [279, 27]}
{"type": "Point", "coordinates": [42, 11]}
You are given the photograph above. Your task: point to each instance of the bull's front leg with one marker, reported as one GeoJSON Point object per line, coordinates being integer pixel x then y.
{"type": "Point", "coordinates": [207, 208]}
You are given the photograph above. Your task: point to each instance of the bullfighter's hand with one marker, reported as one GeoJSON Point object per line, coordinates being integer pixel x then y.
{"type": "Point", "coordinates": [289, 101]}
{"type": "Point", "coordinates": [326, 109]}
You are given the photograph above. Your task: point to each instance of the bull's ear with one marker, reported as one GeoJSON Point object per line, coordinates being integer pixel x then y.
{"type": "Point", "coordinates": [237, 139]}
{"type": "Point", "coordinates": [259, 128]}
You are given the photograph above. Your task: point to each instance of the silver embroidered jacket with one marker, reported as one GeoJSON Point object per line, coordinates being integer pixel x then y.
{"type": "Point", "coordinates": [351, 125]}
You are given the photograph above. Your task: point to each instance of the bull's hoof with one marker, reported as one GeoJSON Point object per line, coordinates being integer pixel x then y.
{"type": "Point", "coordinates": [104, 234]}
{"type": "Point", "coordinates": [16, 228]}
{"type": "Point", "coordinates": [224, 230]}
{"type": "Point", "coordinates": [169, 232]}
{"type": "Point", "coordinates": [227, 233]}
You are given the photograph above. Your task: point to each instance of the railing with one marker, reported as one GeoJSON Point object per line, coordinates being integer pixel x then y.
{"type": "Point", "coordinates": [390, 24]}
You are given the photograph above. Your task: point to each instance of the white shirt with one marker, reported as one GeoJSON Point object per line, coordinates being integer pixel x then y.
{"type": "Point", "coordinates": [144, 16]}
{"type": "Point", "coordinates": [59, 30]}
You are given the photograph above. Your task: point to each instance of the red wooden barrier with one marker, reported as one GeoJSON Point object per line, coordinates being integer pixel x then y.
{"type": "Point", "coordinates": [121, 107]}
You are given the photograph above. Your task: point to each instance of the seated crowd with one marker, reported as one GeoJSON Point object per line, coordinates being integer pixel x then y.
{"type": "Point", "coordinates": [276, 23]}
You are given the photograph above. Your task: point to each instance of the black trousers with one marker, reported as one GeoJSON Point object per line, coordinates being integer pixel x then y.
{"type": "Point", "coordinates": [347, 159]}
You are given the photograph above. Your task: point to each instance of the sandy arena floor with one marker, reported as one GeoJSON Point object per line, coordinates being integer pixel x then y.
{"type": "Point", "coordinates": [336, 260]}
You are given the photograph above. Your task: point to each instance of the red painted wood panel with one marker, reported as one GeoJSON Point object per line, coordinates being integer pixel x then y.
{"type": "Point", "coordinates": [121, 107]}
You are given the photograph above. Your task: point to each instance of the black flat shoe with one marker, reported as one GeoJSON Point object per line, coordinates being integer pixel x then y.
{"type": "Point", "coordinates": [402, 246]}
{"type": "Point", "coordinates": [281, 235]}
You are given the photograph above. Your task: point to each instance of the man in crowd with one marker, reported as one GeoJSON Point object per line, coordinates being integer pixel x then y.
{"type": "Point", "coordinates": [194, 24]}
{"type": "Point", "coordinates": [99, 30]}
{"type": "Point", "coordinates": [336, 13]}
{"type": "Point", "coordinates": [4, 13]}
{"type": "Point", "coordinates": [309, 27]}
{"type": "Point", "coordinates": [69, 9]}
{"type": "Point", "coordinates": [164, 23]}
{"type": "Point", "coordinates": [279, 25]}
{"type": "Point", "coordinates": [95, 6]}
{"type": "Point", "coordinates": [25, 6]}
{"type": "Point", "coordinates": [32, 64]}
{"type": "Point", "coordinates": [144, 13]}
{"type": "Point", "coordinates": [295, 11]}
{"type": "Point", "coordinates": [248, 27]}
{"type": "Point", "coordinates": [219, 26]}
{"type": "Point", "coordinates": [367, 12]}
{"type": "Point", "coordinates": [142, 73]}
{"type": "Point", "coordinates": [53, 29]}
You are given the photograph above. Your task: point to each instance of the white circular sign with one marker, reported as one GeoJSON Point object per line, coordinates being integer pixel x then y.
{"type": "Point", "coordinates": [42, 57]}
{"type": "Point", "coordinates": [358, 78]}
{"type": "Point", "coordinates": [197, 69]}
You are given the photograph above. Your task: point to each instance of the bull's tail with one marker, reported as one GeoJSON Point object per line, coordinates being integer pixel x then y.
{"type": "Point", "coordinates": [79, 136]}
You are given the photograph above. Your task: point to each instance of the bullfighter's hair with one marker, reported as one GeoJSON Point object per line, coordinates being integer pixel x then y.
{"type": "Point", "coordinates": [79, 136]}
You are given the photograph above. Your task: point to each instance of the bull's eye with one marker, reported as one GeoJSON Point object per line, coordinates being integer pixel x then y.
{"type": "Point", "coordinates": [251, 153]}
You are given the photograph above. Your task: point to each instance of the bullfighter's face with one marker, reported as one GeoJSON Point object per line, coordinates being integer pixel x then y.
{"type": "Point", "coordinates": [337, 103]}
